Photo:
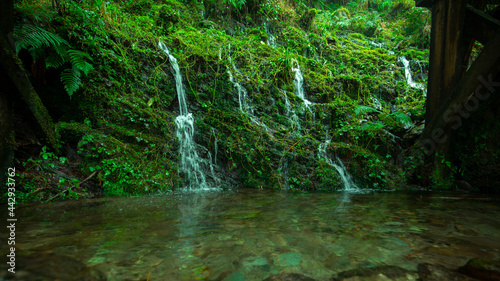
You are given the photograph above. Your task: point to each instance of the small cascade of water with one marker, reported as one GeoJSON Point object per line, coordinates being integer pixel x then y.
{"type": "Point", "coordinates": [292, 115]}
{"type": "Point", "coordinates": [189, 162]}
{"type": "Point", "coordinates": [299, 81]}
{"type": "Point", "coordinates": [245, 108]}
{"type": "Point", "coordinates": [215, 146]}
{"type": "Point", "coordinates": [271, 40]}
{"type": "Point", "coordinates": [243, 99]}
{"type": "Point", "coordinates": [347, 182]}
{"type": "Point", "coordinates": [408, 76]}
{"type": "Point", "coordinates": [284, 171]}
{"type": "Point", "coordinates": [212, 171]}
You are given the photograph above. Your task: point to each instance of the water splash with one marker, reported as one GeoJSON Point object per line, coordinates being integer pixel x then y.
{"type": "Point", "coordinates": [189, 162]}
{"type": "Point", "coordinates": [292, 115]}
{"type": "Point", "coordinates": [408, 77]}
{"type": "Point", "coordinates": [347, 182]}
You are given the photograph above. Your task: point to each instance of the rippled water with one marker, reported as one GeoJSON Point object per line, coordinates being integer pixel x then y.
{"type": "Point", "coordinates": [250, 234]}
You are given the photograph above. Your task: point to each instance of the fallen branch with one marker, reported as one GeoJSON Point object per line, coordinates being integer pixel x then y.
{"type": "Point", "coordinates": [89, 177]}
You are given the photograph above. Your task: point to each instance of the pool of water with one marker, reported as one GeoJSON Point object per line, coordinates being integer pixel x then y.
{"type": "Point", "coordinates": [251, 234]}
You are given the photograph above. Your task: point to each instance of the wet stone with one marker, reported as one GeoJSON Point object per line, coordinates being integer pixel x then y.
{"type": "Point", "coordinates": [288, 259]}
{"type": "Point", "coordinates": [288, 277]}
{"type": "Point", "coordinates": [482, 269]}
{"type": "Point", "coordinates": [379, 273]}
{"type": "Point", "coordinates": [49, 267]}
{"type": "Point", "coordinates": [429, 272]}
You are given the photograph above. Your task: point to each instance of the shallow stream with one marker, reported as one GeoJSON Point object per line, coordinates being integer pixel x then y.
{"type": "Point", "coordinates": [250, 234]}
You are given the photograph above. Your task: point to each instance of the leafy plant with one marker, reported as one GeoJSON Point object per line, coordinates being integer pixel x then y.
{"type": "Point", "coordinates": [48, 46]}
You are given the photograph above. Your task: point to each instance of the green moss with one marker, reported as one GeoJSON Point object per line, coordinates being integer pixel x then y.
{"type": "Point", "coordinates": [130, 98]}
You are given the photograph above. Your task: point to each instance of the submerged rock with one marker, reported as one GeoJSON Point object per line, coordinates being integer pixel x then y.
{"type": "Point", "coordinates": [429, 272]}
{"type": "Point", "coordinates": [288, 277]}
{"type": "Point", "coordinates": [482, 269]}
{"type": "Point", "coordinates": [379, 273]}
{"type": "Point", "coordinates": [50, 267]}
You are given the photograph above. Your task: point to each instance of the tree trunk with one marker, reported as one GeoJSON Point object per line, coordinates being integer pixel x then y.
{"type": "Point", "coordinates": [15, 70]}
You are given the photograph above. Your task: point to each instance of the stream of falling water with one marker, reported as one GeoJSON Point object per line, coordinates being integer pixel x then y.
{"type": "Point", "coordinates": [347, 182]}
{"type": "Point", "coordinates": [408, 76]}
{"type": "Point", "coordinates": [189, 162]}
{"type": "Point", "coordinates": [299, 81]}
{"type": "Point", "coordinates": [245, 104]}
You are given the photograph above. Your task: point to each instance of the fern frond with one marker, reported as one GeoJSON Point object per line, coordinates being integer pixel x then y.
{"type": "Point", "coordinates": [374, 126]}
{"type": "Point", "coordinates": [362, 109]}
{"type": "Point", "coordinates": [54, 61]}
{"type": "Point", "coordinates": [71, 80]}
{"type": "Point", "coordinates": [77, 59]}
{"type": "Point", "coordinates": [28, 36]}
{"type": "Point", "coordinates": [403, 119]}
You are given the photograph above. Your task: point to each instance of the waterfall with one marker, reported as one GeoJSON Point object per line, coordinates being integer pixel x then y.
{"type": "Point", "coordinates": [189, 162]}
{"type": "Point", "coordinates": [242, 95]}
{"type": "Point", "coordinates": [408, 77]}
{"type": "Point", "coordinates": [298, 82]}
{"type": "Point", "coordinates": [243, 99]}
{"type": "Point", "coordinates": [215, 146]}
{"type": "Point", "coordinates": [347, 182]}
{"type": "Point", "coordinates": [284, 169]}
{"type": "Point", "coordinates": [292, 115]}
{"type": "Point", "coordinates": [271, 40]}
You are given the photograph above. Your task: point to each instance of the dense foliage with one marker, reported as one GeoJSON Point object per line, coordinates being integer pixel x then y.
{"type": "Point", "coordinates": [116, 104]}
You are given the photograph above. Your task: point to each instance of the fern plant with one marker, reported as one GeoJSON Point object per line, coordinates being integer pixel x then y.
{"type": "Point", "coordinates": [43, 44]}
{"type": "Point", "coordinates": [400, 118]}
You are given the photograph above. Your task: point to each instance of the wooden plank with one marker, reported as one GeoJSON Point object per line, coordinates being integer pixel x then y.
{"type": "Point", "coordinates": [480, 25]}
{"type": "Point", "coordinates": [477, 87]}
{"type": "Point", "coordinates": [446, 52]}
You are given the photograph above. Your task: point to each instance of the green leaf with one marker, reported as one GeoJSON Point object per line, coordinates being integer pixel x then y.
{"type": "Point", "coordinates": [403, 119]}
{"type": "Point", "coordinates": [362, 109]}
{"type": "Point", "coordinates": [29, 36]}
{"type": "Point", "coordinates": [71, 80]}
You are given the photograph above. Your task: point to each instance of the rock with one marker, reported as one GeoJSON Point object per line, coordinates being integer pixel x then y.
{"type": "Point", "coordinates": [288, 277]}
{"type": "Point", "coordinates": [49, 267]}
{"type": "Point", "coordinates": [429, 272]}
{"type": "Point", "coordinates": [482, 269]}
{"type": "Point", "coordinates": [464, 185]}
{"type": "Point", "coordinates": [379, 273]}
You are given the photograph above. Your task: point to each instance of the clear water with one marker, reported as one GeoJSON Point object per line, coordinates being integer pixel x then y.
{"type": "Point", "coordinates": [250, 234]}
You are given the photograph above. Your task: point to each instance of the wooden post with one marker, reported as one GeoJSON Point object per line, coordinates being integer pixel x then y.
{"type": "Point", "coordinates": [449, 46]}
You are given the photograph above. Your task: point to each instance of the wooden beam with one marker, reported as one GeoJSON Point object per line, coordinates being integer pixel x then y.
{"type": "Point", "coordinates": [480, 25]}
{"type": "Point", "coordinates": [478, 86]}
{"type": "Point", "coordinates": [446, 52]}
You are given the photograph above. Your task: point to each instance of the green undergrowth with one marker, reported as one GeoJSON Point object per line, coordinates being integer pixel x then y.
{"type": "Point", "coordinates": [123, 126]}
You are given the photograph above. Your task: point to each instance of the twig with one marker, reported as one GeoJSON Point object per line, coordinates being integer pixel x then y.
{"type": "Point", "coordinates": [59, 194]}
{"type": "Point", "coordinates": [89, 177]}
